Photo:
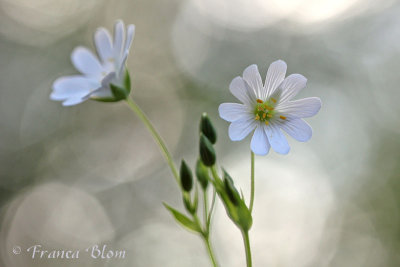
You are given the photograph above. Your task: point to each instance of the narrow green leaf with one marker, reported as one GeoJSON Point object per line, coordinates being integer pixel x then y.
{"type": "Point", "coordinates": [183, 219]}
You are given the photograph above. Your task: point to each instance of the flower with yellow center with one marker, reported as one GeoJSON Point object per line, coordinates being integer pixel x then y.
{"type": "Point", "coordinates": [267, 109]}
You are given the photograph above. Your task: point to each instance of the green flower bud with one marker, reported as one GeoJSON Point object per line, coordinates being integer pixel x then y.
{"type": "Point", "coordinates": [207, 128]}
{"type": "Point", "coordinates": [186, 177]}
{"type": "Point", "coordinates": [230, 189]}
{"type": "Point", "coordinates": [207, 152]}
{"type": "Point", "coordinates": [202, 174]}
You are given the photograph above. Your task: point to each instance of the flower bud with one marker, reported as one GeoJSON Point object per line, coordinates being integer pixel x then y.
{"type": "Point", "coordinates": [186, 177]}
{"type": "Point", "coordinates": [207, 128]}
{"type": "Point", "coordinates": [202, 174]}
{"type": "Point", "coordinates": [207, 152]}
{"type": "Point", "coordinates": [230, 189]}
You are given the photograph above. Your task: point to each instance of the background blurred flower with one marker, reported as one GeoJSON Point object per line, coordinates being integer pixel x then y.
{"type": "Point", "coordinates": [96, 74]}
{"type": "Point", "coordinates": [269, 108]}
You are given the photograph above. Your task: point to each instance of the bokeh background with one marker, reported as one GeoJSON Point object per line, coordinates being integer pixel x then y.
{"type": "Point", "coordinates": [91, 174]}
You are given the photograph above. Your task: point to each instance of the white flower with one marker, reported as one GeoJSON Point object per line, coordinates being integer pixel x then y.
{"type": "Point", "coordinates": [94, 82]}
{"type": "Point", "coordinates": [269, 108]}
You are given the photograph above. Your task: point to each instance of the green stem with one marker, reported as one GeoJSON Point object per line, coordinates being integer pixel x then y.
{"type": "Point", "coordinates": [210, 251]}
{"type": "Point", "coordinates": [246, 241]}
{"type": "Point", "coordinates": [205, 234]}
{"type": "Point", "coordinates": [135, 108]}
{"type": "Point", "coordinates": [252, 183]}
{"type": "Point", "coordinates": [205, 204]}
{"type": "Point", "coordinates": [211, 209]}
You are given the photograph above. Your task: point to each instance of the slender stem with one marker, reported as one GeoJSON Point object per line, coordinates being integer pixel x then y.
{"type": "Point", "coordinates": [205, 234]}
{"type": "Point", "coordinates": [135, 108]}
{"type": "Point", "coordinates": [211, 209]}
{"type": "Point", "coordinates": [205, 204]}
{"type": "Point", "coordinates": [210, 251]}
{"type": "Point", "coordinates": [246, 241]}
{"type": "Point", "coordinates": [252, 183]}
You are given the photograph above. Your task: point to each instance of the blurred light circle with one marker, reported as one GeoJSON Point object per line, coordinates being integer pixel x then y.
{"type": "Point", "coordinates": [41, 22]}
{"type": "Point", "coordinates": [167, 245]}
{"type": "Point", "coordinates": [247, 15]}
{"type": "Point", "coordinates": [54, 216]}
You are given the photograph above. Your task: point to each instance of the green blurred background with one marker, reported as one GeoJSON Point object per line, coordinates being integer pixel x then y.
{"type": "Point", "coordinates": [91, 174]}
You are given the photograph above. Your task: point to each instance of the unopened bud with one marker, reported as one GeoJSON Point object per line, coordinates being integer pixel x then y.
{"type": "Point", "coordinates": [202, 174]}
{"type": "Point", "coordinates": [207, 128]}
{"type": "Point", "coordinates": [207, 152]}
{"type": "Point", "coordinates": [186, 177]}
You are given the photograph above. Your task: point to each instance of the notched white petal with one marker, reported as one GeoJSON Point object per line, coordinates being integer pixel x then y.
{"type": "Point", "coordinates": [73, 101]}
{"type": "Point", "coordinates": [242, 91]}
{"type": "Point", "coordinates": [275, 75]}
{"type": "Point", "coordinates": [103, 42]}
{"type": "Point", "coordinates": [233, 111]}
{"type": "Point", "coordinates": [276, 139]}
{"type": "Point", "coordinates": [253, 78]}
{"type": "Point", "coordinates": [130, 33]}
{"type": "Point", "coordinates": [302, 108]}
{"type": "Point", "coordinates": [291, 86]}
{"type": "Point", "coordinates": [298, 129]}
{"type": "Point", "coordinates": [238, 130]}
{"type": "Point", "coordinates": [85, 61]}
{"type": "Point", "coordinates": [119, 39]}
{"type": "Point", "coordinates": [259, 142]}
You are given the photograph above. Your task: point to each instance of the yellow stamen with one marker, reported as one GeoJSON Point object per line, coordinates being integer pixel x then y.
{"type": "Point", "coordinates": [269, 108]}
{"type": "Point", "coordinates": [269, 115]}
{"type": "Point", "coordinates": [257, 117]}
{"type": "Point", "coordinates": [264, 115]}
{"type": "Point", "coordinates": [282, 117]}
{"type": "Point", "coordinates": [273, 99]}
{"type": "Point", "coordinates": [260, 108]}
{"type": "Point", "coordinates": [259, 101]}
{"type": "Point", "coordinates": [266, 122]}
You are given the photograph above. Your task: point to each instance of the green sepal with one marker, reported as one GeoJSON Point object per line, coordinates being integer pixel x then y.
{"type": "Point", "coordinates": [236, 210]}
{"type": "Point", "coordinates": [186, 177]}
{"type": "Point", "coordinates": [105, 99]}
{"type": "Point", "coordinates": [127, 82]}
{"type": "Point", "coordinates": [119, 93]}
{"type": "Point", "coordinates": [230, 189]}
{"type": "Point", "coordinates": [202, 174]}
{"type": "Point", "coordinates": [207, 128]}
{"type": "Point", "coordinates": [183, 219]}
{"type": "Point", "coordinates": [207, 152]}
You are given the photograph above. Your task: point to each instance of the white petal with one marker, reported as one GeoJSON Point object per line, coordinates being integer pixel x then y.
{"type": "Point", "coordinates": [130, 33]}
{"type": "Point", "coordinates": [70, 86]}
{"type": "Point", "coordinates": [291, 86]}
{"type": "Point", "coordinates": [233, 111]}
{"type": "Point", "coordinates": [119, 38]}
{"type": "Point", "coordinates": [242, 91]}
{"type": "Point", "coordinates": [73, 101]}
{"type": "Point", "coordinates": [275, 75]}
{"type": "Point", "coordinates": [298, 129]}
{"type": "Point", "coordinates": [241, 128]}
{"type": "Point", "coordinates": [252, 76]}
{"type": "Point", "coordinates": [302, 108]}
{"type": "Point", "coordinates": [259, 142]}
{"type": "Point", "coordinates": [86, 62]}
{"type": "Point", "coordinates": [277, 139]}
{"type": "Point", "coordinates": [102, 40]}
